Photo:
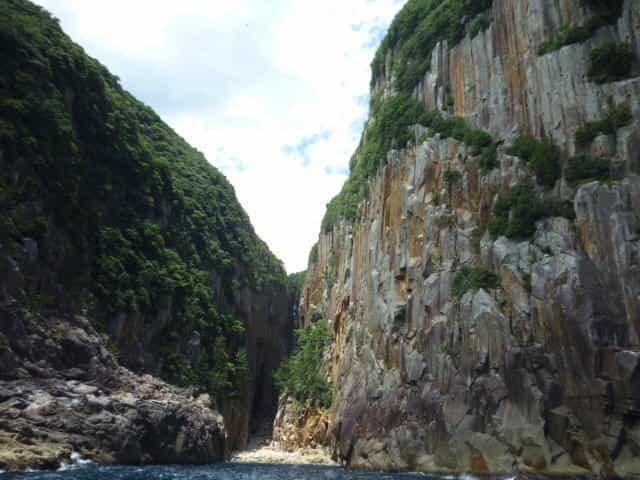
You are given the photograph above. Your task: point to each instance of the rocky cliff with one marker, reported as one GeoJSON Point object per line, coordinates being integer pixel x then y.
{"type": "Point", "coordinates": [121, 245]}
{"type": "Point", "coordinates": [484, 300]}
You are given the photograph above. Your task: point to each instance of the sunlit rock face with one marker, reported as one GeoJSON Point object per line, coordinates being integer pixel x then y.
{"type": "Point", "coordinates": [541, 373]}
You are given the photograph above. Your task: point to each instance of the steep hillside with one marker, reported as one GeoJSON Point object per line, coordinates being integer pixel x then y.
{"type": "Point", "coordinates": [111, 223]}
{"type": "Point", "coordinates": [480, 269]}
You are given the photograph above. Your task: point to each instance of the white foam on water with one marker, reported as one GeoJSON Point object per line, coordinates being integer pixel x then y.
{"type": "Point", "coordinates": [76, 462]}
{"type": "Point", "coordinates": [77, 459]}
{"type": "Point", "coordinates": [467, 476]}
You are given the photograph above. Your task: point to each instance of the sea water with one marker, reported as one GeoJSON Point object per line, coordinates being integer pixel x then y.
{"type": "Point", "coordinates": [224, 471]}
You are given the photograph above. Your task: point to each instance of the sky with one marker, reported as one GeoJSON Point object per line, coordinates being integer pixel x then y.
{"type": "Point", "coordinates": [274, 93]}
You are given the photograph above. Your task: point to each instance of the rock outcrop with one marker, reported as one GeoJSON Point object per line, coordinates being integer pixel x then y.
{"type": "Point", "coordinates": [540, 372]}
{"type": "Point", "coordinates": [62, 392]}
{"type": "Point", "coordinates": [296, 426]}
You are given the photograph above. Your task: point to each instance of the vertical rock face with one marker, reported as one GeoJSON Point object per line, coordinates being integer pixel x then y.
{"type": "Point", "coordinates": [541, 373]}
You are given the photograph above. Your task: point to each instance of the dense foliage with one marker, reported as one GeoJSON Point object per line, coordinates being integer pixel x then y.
{"type": "Point", "coordinates": [295, 282]}
{"type": "Point", "coordinates": [605, 12]}
{"type": "Point", "coordinates": [416, 30]}
{"type": "Point", "coordinates": [128, 217]}
{"type": "Point", "coordinates": [585, 168]}
{"type": "Point", "coordinates": [569, 35]}
{"type": "Point", "coordinates": [468, 278]}
{"type": "Point", "coordinates": [610, 62]}
{"type": "Point", "coordinates": [303, 374]}
{"type": "Point", "coordinates": [515, 214]}
{"type": "Point", "coordinates": [616, 118]}
{"type": "Point", "coordinates": [451, 177]}
{"type": "Point", "coordinates": [543, 157]}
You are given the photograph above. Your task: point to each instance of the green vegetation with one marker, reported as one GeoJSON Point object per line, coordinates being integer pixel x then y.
{"type": "Point", "coordinates": [313, 255]}
{"type": "Point", "coordinates": [616, 118]}
{"type": "Point", "coordinates": [129, 217]}
{"type": "Point", "coordinates": [330, 275]}
{"type": "Point", "coordinates": [450, 100]}
{"type": "Point", "coordinates": [400, 315]}
{"type": "Point", "coordinates": [606, 13]}
{"type": "Point", "coordinates": [451, 177]}
{"type": "Point", "coordinates": [610, 62]}
{"type": "Point", "coordinates": [389, 129]}
{"type": "Point", "coordinates": [416, 30]}
{"type": "Point", "coordinates": [489, 158]}
{"type": "Point", "coordinates": [587, 168]}
{"type": "Point", "coordinates": [222, 366]}
{"type": "Point", "coordinates": [569, 35]}
{"type": "Point", "coordinates": [516, 214]}
{"type": "Point", "coordinates": [295, 282]}
{"type": "Point", "coordinates": [479, 140]}
{"type": "Point", "coordinates": [476, 240]}
{"type": "Point", "coordinates": [303, 374]}
{"type": "Point", "coordinates": [617, 171]}
{"type": "Point", "coordinates": [543, 157]}
{"type": "Point", "coordinates": [480, 23]}
{"type": "Point", "coordinates": [467, 279]}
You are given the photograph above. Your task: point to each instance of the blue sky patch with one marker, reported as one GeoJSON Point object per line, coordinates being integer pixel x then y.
{"type": "Point", "coordinates": [302, 147]}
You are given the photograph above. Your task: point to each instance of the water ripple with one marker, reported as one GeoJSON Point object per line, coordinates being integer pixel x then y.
{"type": "Point", "coordinates": [226, 471]}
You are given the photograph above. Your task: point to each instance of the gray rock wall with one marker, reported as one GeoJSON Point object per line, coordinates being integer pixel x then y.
{"type": "Point", "coordinates": [541, 374]}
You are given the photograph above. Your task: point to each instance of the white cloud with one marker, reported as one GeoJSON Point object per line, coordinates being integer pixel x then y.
{"type": "Point", "coordinates": [269, 91]}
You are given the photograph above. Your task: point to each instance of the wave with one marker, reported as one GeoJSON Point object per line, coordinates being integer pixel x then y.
{"type": "Point", "coordinates": [76, 462]}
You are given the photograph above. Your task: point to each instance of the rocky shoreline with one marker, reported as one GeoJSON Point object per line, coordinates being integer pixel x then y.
{"type": "Point", "coordinates": [141, 421]}
{"type": "Point", "coordinates": [94, 407]}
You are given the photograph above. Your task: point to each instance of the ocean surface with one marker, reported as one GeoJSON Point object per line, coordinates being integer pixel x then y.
{"type": "Point", "coordinates": [225, 471]}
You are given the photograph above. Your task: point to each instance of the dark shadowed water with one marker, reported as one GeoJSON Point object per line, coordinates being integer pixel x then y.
{"type": "Point", "coordinates": [226, 471]}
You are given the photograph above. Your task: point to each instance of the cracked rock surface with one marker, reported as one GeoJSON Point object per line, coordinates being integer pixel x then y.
{"type": "Point", "coordinates": [61, 392]}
